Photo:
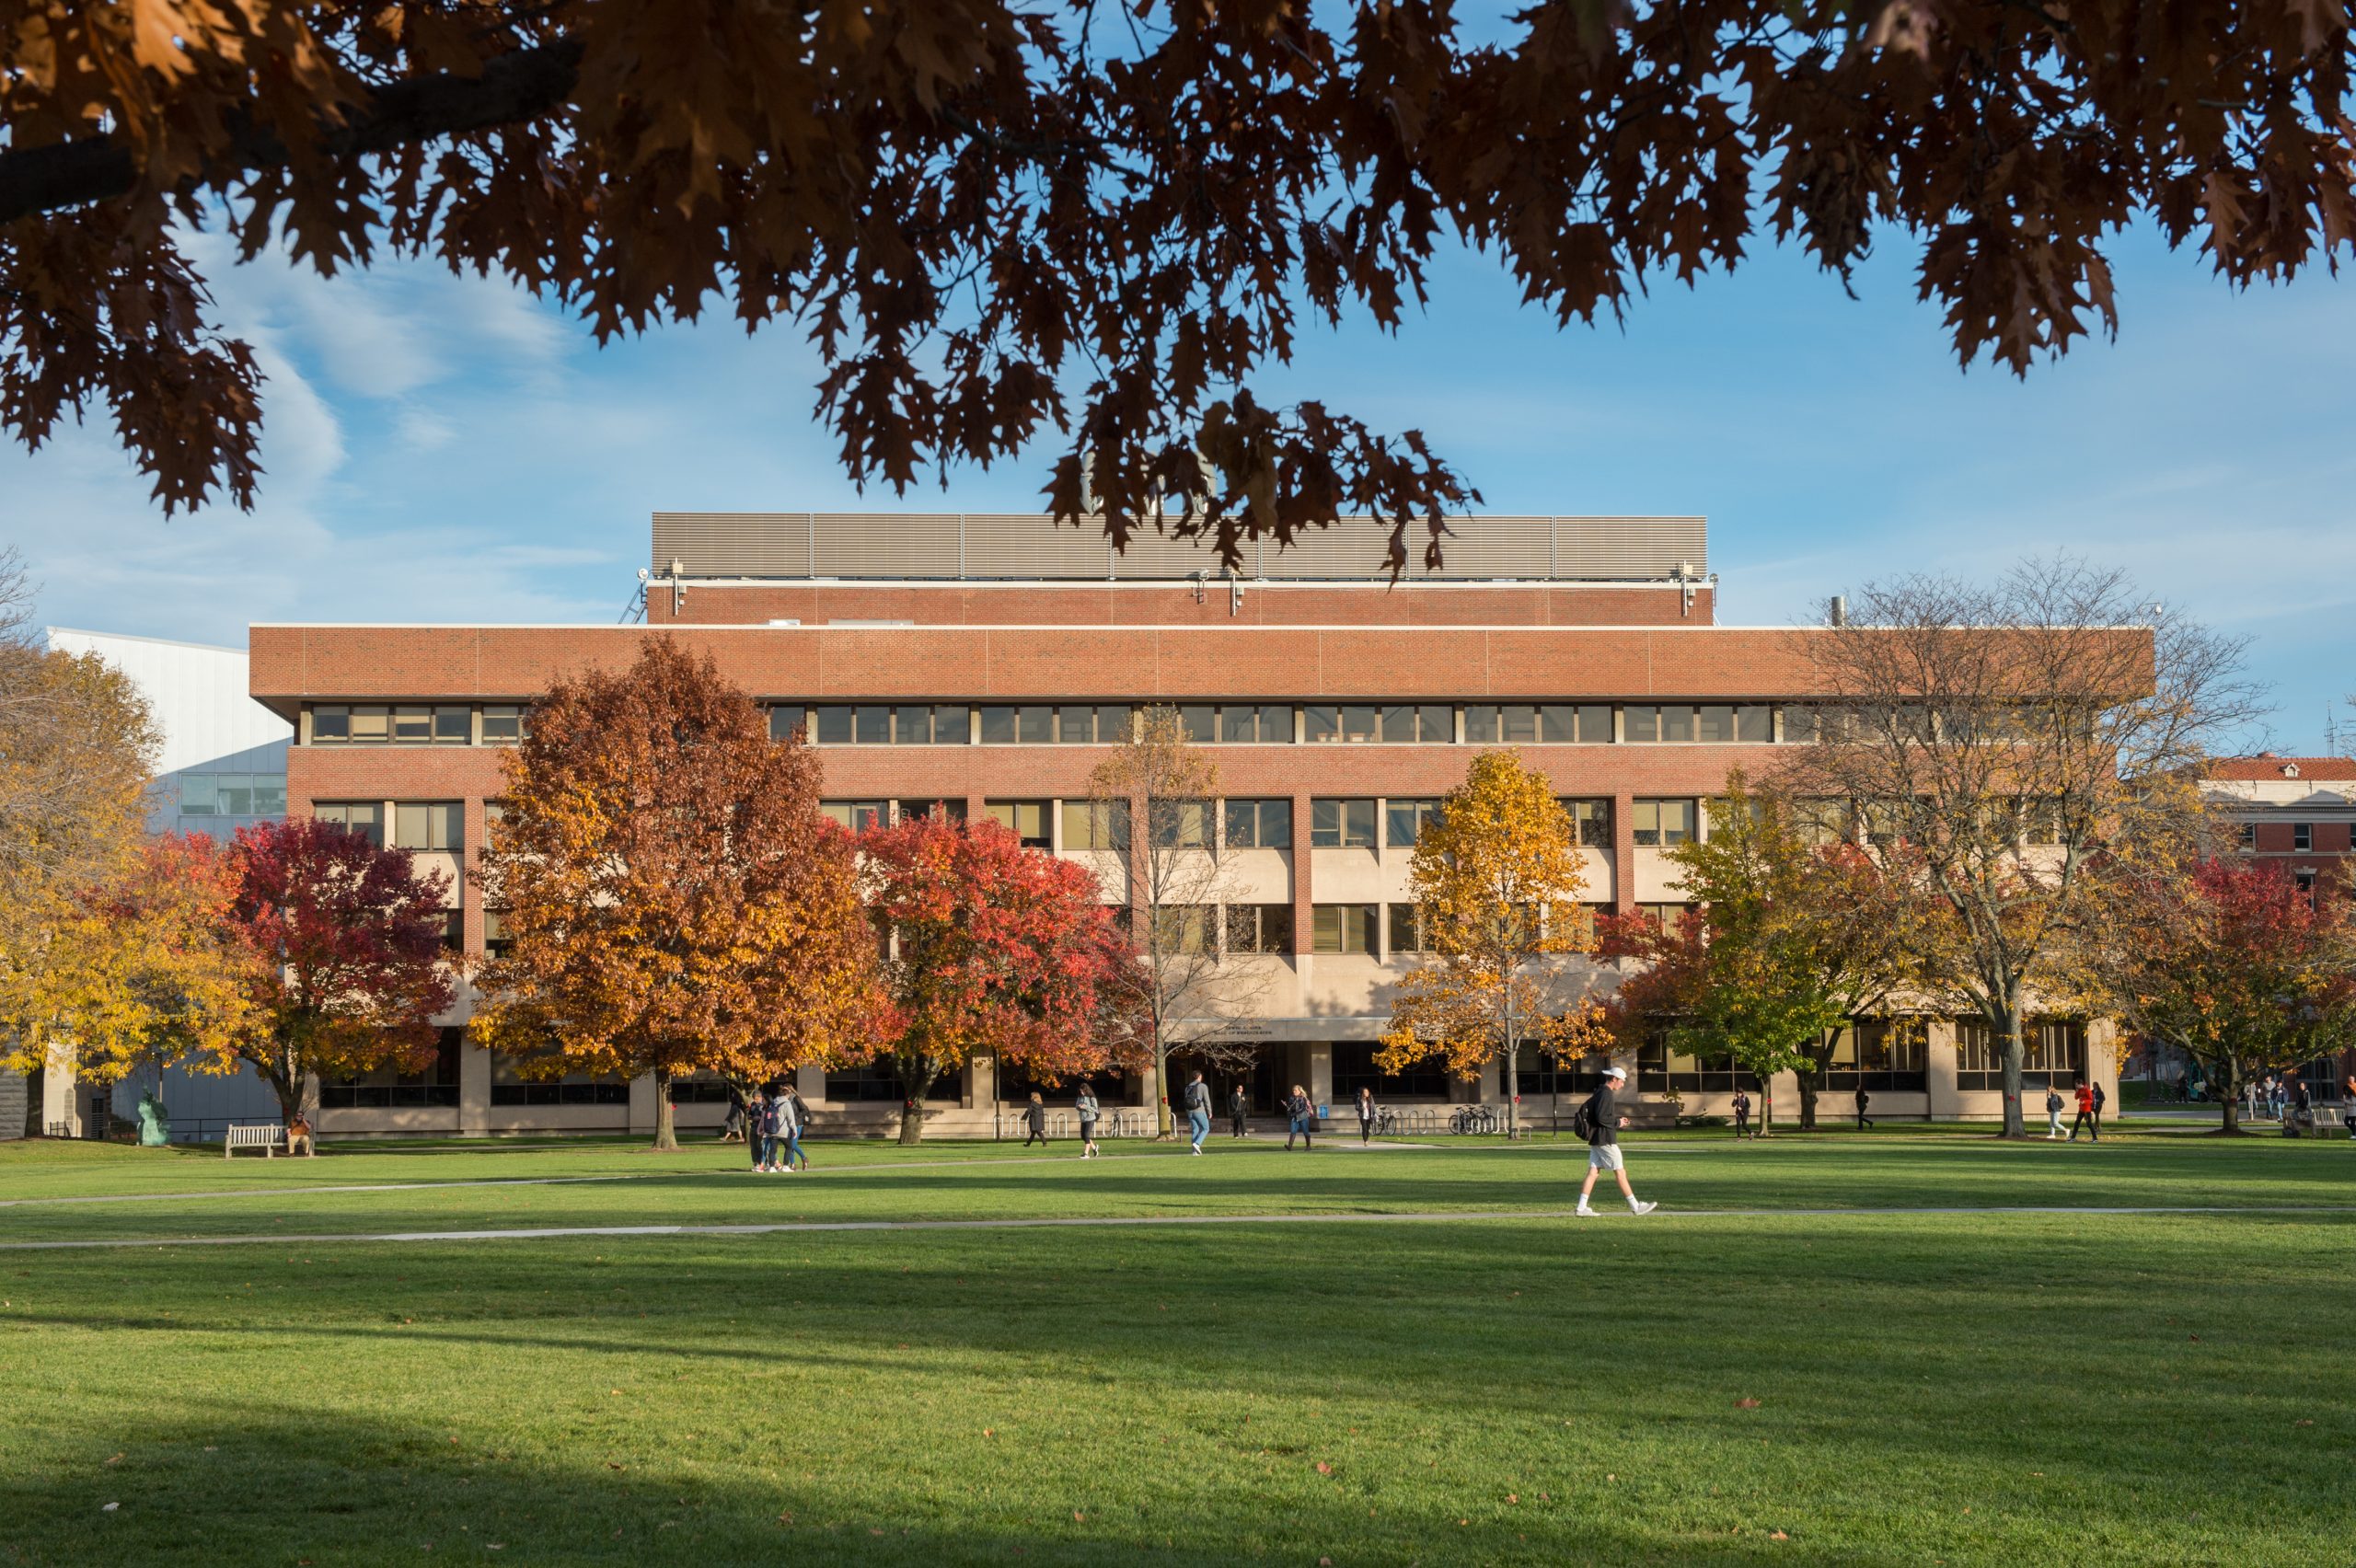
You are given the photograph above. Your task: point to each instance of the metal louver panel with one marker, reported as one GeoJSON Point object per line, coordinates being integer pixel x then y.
{"type": "Point", "coordinates": [1028, 547]}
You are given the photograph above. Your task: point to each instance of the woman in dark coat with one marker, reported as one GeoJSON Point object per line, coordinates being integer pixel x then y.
{"type": "Point", "coordinates": [1034, 1116]}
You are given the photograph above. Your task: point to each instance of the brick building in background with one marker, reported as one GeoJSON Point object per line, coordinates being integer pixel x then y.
{"type": "Point", "coordinates": [980, 662]}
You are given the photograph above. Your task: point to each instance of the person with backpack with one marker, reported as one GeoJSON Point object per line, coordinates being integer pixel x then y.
{"type": "Point", "coordinates": [794, 1120]}
{"type": "Point", "coordinates": [2052, 1112]}
{"type": "Point", "coordinates": [2086, 1115]}
{"type": "Point", "coordinates": [1741, 1114]}
{"type": "Point", "coordinates": [755, 1135]}
{"type": "Point", "coordinates": [1864, 1100]}
{"type": "Point", "coordinates": [1198, 1112]}
{"type": "Point", "coordinates": [1237, 1108]}
{"type": "Point", "coordinates": [1035, 1118]}
{"type": "Point", "coordinates": [1302, 1116]}
{"type": "Point", "coordinates": [2102, 1102]}
{"type": "Point", "coordinates": [1089, 1112]}
{"type": "Point", "coordinates": [1367, 1115]}
{"type": "Point", "coordinates": [1599, 1121]}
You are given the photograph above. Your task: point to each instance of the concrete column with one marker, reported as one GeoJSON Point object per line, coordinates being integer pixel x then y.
{"type": "Point", "coordinates": [1319, 1081]}
{"type": "Point", "coordinates": [642, 1109]}
{"type": "Point", "coordinates": [1939, 1070]}
{"type": "Point", "coordinates": [1624, 853]}
{"type": "Point", "coordinates": [981, 1083]}
{"type": "Point", "coordinates": [59, 1102]}
{"type": "Point", "coordinates": [15, 1097]}
{"type": "Point", "coordinates": [1303, 892]}
{"type": "Point", "coordinates": [811, 1083]}
{"type": "Point", "coordinates": [474, 1088]}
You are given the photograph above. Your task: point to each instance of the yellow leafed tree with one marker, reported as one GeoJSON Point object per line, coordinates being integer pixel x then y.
{"type": "Point", "coordinates": [1496, 879]}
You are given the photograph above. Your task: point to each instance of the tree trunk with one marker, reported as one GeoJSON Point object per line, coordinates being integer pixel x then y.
{"type": "Point", "coordinates": [916, 1082]}
{"type": "Point", "coordinates": [1807, 1082]}
{"type": "Point", "coordinates": [278, 1071]}
{"type": "Point", "coordinates": [2008, 1044]}
{"type": "Point", "coordinates": [1513, 1068]}
{"type": "Point", "coordinates": [666, 1132]}
{"type": "Point", "coordinates": [1162, 1117]}
{"type": "Point", "coordinates": [2232, 1107]}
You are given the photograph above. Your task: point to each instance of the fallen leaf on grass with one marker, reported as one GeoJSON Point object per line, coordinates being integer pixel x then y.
{"type": "Point", "coordinates": [1513, 1497]}
{"type": "Point", "coordinates": [2303, 1423]}
{"type": "Point", "coordinates": [109, 1507]}
{"type": "Point", "coordinates": [1324, 1469]}
{"type": "Point", "coordinates": [114, 1459]}
{"type": "Point", "coordinates": [1746, 1402]}
{"type": "Point", "coordinates": [1779, 1536]}
{"type": "Point", "coordinates": [1078, 1517]}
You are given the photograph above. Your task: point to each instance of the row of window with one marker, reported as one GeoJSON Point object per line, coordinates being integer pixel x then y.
{"type": "Point", "coordinates": [2302, 837]}
{"type": "Point", "coordinates": [1334, 823]}
{"type": "Point", "coordinates": [232, 794]}
{"type": "Point", "coordinates": [416, 824]}
{"type": "Point", "coordinates": [1285, 724]}
{"type": "Point", "coordinates": [418, 723]}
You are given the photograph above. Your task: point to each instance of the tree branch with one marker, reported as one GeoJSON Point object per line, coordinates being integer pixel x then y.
{"type": "Point", "coordinates": [520, 85]}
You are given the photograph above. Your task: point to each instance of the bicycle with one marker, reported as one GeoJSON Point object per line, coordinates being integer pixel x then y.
{"type": "Point", "coordinates": [1474, 1119]}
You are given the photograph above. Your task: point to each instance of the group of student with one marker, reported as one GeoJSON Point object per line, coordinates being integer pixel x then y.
{"type": "Point", "coordinates": [2092, 1101]}
{"type": "Point", "coordinates": [771, 1124]}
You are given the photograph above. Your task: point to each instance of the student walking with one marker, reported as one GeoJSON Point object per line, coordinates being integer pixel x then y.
{"type": "Point", "coordinates": [1034, 1116]}
{"type": "Point", "coordinates": [1864, 1100]}
{"type": "Point", "coordinates": [1302, 1116]}
{"type": "Point", "coordinates": [794, 1118]}
{"type": "Point", "coordinates": [1741, 1114]}
{"type": "Point", "coordinates": [2086, 1115]}
{"type": "Point", "coordinates": [1087, 1107]}
{"type": "Point", "coordinates": [2102, 1102]}
{"type": "Point", "coordinates": [1366, 1115]}
{"type": "Point", "coordinates": [1600, 1113]}
{"type": "Point", "coordinates": [1237, 1107]}
{"type": "Point", "coordinates": [2052, 1112]}
{"type": "Point", "coordinates": [755, 1127]}
{"type": "Point", "coordinates": [1198, 1112]}
{"type": "Point", "coordinates": [732, 1129]}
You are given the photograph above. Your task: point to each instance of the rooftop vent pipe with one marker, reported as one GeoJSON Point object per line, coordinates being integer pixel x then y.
{"type": "Point", "coordinates": [1840, 609]}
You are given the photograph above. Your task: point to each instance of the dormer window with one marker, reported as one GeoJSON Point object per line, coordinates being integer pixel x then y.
{"type": "Point", "coordinates": [2290, 770]}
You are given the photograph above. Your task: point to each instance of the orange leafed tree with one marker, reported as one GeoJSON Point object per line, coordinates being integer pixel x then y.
{"type": "Point", "coordinates": [998, 951]}
{"type": "Point", "coordinates": [673, 900]}
{"type": "Point", "coordinates": [1007, 222]}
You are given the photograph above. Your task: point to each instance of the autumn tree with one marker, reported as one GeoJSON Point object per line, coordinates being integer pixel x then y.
{"type": "Point", "coordinates": [672, 898]}
{"type": "Point", "coordinates": [1154, 809]}
{"type": "Point", "coordinates": [1497, 878]}
{"type": "Point", "coordinates": [144, 970]}
{"type": "Point", "coordinates": [342, 941]}
{"type": "Point", "coordinates": [1006, 224]}
{"type": "Point", "coordinates": [2233, 962]}
{"type": "Point", "coordinates": [991, 949]}
{"type": "Point", "coordinates": [2018, 742]}
{"type": "Point", "coordinates": [1795, 933]}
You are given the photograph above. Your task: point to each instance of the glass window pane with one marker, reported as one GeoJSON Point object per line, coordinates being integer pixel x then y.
{"type": "Point", "coordinates": [1113, 723]}
{"type": "Point", "coordinates": [1034, 724]}
{"type": "Point", "coordinates": [1676, 822]}
{"type": "Point", "coordinates": [1677, 723]}
{"type": "Point", "coordinates": [1325, 825]}
{"type": "Point", "coordinates": [1481, 723]}
{"type": "Point", "coordinates": [872, 726]}
{"type": "Point", "coordinates": [1641, 722]}
{"type": "Point", "coordinates": [236, 794]}
{"type": "Point", "coordinates": [1359, 722]}
{"type": "Point", "coordinates": [1754, 723]}
{"type": "Point", "coordinates": [1325, 928]}
{"type": "Point", "coordinates": [1557, 724]}
{"type": "Point", "coordinates": [998, 726]}
{"type": "Point", "coordinates": [454, 726]}
{"type": "Point", "coordinates": [1435, 724]}
{"type": "Point", "coordinates": [1799, 724]}
{"type": "Point", "coordinates": [503, 725]}
{"type": "Point", "coordinates": [331, 723]}
{"type": "Point", "coordinates": [1398, 724]}
{"type": "Point", "coordinates": [1714, 723]}
{"type": "Point", "coordinates": [834, 726]}
{"type": "Point", "coordinates": [1276, 824]}
{"type": "Point", "coordinates": [950, 725]}
{"type": "Point", "coordinates": [200, 794]}
{"type": "Point", "coordinates": [408, 825]}
{"type": "Point", "coordinates": [1199, 721]}
{"type": "Point", "coordinates": [269, 794]}
{"type": "Point", "coordinates": [1321, 721]}
{"type": "Point", "coordinates": [1595, 724]}
{"type": "Point", "coordinates": [371, 725]}
{"type": "Point", "coordinates": [1517, 723]}
{"type": "Point", "coordinates": [1238, 725]}
{"type": "Point", "coordinates": [1076, 726]}
{"type": "Point", "coordinates": [1357, 824]}
{"type": "Point", "coordinates": [911, 726]}
{"type": "Point", "coordinates": [413, 725]}
{"type": "Point", "coordinates": [1276, 724]}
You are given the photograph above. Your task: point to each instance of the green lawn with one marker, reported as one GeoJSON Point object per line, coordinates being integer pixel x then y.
{"type": "Point", "coordinates": [2015, 1388]}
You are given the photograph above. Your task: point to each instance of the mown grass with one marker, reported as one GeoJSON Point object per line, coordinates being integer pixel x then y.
{"type": "Point", "coordinates": [2015, 1387]}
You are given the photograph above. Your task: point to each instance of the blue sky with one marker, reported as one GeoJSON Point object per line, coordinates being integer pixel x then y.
{"type": "Point", "coordinates": [445, 449]}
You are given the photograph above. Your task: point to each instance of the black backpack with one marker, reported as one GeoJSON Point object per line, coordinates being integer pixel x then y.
{"type": "Point", "coordinates": [1583, 1123]}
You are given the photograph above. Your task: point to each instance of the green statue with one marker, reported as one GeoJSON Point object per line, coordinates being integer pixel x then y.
{"type": "Point", "coordinates": [154, 1127]}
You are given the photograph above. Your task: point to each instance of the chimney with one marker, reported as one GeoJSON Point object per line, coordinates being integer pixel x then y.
{"type": "Point", "coordinates": [1840, 609]}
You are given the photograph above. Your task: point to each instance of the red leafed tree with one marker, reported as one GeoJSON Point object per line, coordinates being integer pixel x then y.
{"type": "Point", "coordinates": [346, 939]}
{"type": "Point", "coordinates": [1106, 228]}
{"type": "Point", "coordinates": [994, 949]}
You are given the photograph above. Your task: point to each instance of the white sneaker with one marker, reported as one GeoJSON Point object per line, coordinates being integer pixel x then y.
{"type": "Point", "coordinates": [1585, 1212]}
{"type": "Point", "coordinates": [1636, 1207]}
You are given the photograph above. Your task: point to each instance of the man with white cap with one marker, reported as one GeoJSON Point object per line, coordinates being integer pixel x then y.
{"type": "Point", "coordinates": [1601, 1113]}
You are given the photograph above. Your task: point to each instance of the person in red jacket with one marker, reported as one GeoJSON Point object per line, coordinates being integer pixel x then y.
{"type": "Point", "coordinates": [2086, 1115]}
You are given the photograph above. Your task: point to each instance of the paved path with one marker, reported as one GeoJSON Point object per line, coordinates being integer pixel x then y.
{"type": "Point", "coordinates": [541, 1233]}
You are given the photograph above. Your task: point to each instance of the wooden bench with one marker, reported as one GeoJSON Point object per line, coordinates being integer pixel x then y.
{"type": "Point", "coordinates": [267, 1136]}
{"type": "Point", "coordinates": [2327, 1121]}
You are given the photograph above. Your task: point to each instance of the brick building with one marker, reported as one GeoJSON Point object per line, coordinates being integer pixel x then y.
{"type": "Point", "coordinates": [981, 662]}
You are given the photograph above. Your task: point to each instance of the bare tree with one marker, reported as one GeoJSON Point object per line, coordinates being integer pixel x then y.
{"type": "Point", "coordinates": [2014, 737]}
{"type": "Point", "coordinates": [1154, 803]}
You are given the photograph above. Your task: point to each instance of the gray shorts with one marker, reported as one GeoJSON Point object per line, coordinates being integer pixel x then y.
{"type": "Point", "coordinates": [1604, 1157]}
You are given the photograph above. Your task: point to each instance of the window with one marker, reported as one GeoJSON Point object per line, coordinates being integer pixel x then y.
{"type": "Point", "coordinates": [453, 930]}
{"type": "Point", "coordinates": [951, 810]}
{"type": "Point", "coordinates": [1181, 825]}
{"type": "Point", "coordinates": [508, 723]}
{"type": "Point", "coordinates": [1037, 724]}
{"type": "Point", "coordinates": [1592, 820]}
{"type": "Point", "coordinates": [232, 794]}
{"type": "Point", "coordinates": [1349, 723]}
{"type": "Point", "coordinates": [363, 817]}
{"type": "Point", "coordinates": [1800, 726]}
{"type": "Point", "coordinates": [495, 939]}
{"type": "Point", "coordinates": [429, 825]}
{"type": "Point", "coordinates": [2053, 1054]}
{"type": "Point", "coordinates": [2303, 835]}
{"type": "Point", "coordinates": [1407, 930]}
{"type": "Point", "coordinates": [1096, 825]}
{"type": "Point", "coordinates": [1660, 1062]}
{"type": "Point", "coordinates": [873, 724]}
{"type": "Point", "coordinates": [416, 724]}
{"type": "Point", "coordinates": [1262, 724]}
{"type": "Point", "coordinates": [1259, 928]}
{"type": "Point", "coordinates": [2248, 836]}
{"type": "Point", "coordinates": [1355, 1068]}
{"type": "Point", "coordinates": [856, 816]}
{"type": "Point", "coordinates": [1027, 820]}
{"type": "Point", "coordinates": [1186, 927]}
{"type": "Point", "coordinates": [1404, 821]}
{"type": "Point", "coordinates": [1341, 825]}
{"type": "Point", "coordinates": [1510, 723]}
{"type": "Point", "coordinates": [880, 1080]}
{"type": "Point", "coordinates": [1663, 914]}
{"type": "Point", "coordinates": [1425, 723]}
{"type": "Point", "coordinates": [2307, 880]}
{"type": "Point", "coordinates": [1713, 723]}
{"type": "Point", "coordinates": [385, 1091]}
{"type": "Point", "coordinates": [1717, 812]}
{"type": "Point", "coordinates": [1878, 1052]}
{"type": "Point", "coordinates": [1558, 1082]}
{"type": "Point", "coordinates": [1342, 928]}
{"type": "Point", "coordinates": [1198, 721]}
{"type": "Point", "coordinates": [1116, 722]}
{"type": "Point", "coordinates": [1640, 721]}
{"type": "Point", "coordinates": [1258, 825]}
{"type": "Point", "coordinates": [1664, 823]}
{"type": "Point", "coordinates": [573, 1089]}
{"type": "Point", "coordinates": [330, 722]}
